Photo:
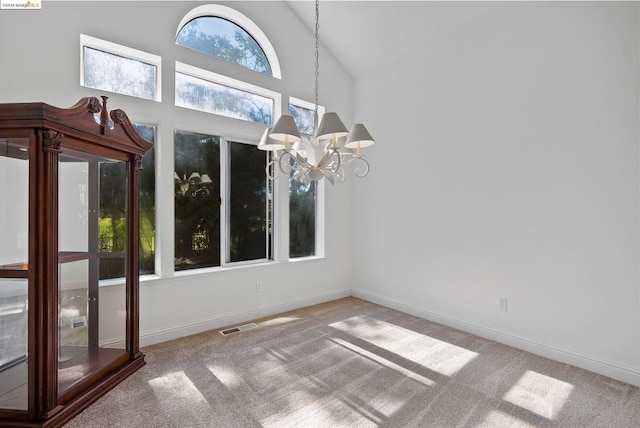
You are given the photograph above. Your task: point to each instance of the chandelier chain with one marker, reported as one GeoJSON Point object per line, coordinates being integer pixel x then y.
{"type": "Point", "coordinates": [317, 55]}
{"type": "Point", "coordinates": [307, 158]}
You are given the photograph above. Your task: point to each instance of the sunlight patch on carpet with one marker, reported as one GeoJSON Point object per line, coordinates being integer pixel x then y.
{"type": "Point", "coordinates": [226, 375]}
{"type": "Point", "coordinates": [384, 362]}
{"type": "Point", "coordinates": [277, 321]}
{"type": "Point", "coordinates": [178, 387]}
{"type": "Point", "coordinates": [496, 418]}
{"type": "Point", "coordinates": [434, 354]}
{"type": "Point", "coordinates": [540, 394]}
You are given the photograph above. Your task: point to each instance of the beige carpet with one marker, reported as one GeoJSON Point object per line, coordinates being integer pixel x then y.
{"type": "Point", "coordinates": [351, 363]}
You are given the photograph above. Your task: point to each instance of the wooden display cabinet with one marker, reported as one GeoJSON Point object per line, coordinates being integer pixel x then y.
{"type": "Point", "coordinates": [68, 177]}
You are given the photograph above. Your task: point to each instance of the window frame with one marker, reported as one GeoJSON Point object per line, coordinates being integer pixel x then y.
{"type": "Point", "coordinates": [126, 52]}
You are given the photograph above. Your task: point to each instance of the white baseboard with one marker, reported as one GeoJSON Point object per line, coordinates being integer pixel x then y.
{"type": "Point", "coordinates": [151, 337]}
{"type": "Point", "coordinates": [617, 371]}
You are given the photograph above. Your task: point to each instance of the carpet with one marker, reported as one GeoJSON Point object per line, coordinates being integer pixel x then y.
{"type": "Point", "coordinates": [352, 363]}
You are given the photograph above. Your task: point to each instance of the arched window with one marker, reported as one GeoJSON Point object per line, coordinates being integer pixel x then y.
{"type": "Point", "coordinates": [227, 34]}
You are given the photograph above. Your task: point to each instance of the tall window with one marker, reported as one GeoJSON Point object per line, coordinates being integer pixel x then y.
{"type": "Point", "coordinates": [197, 200]}
{"type": "Point", "coordinates": [200, 165]}
{"type": "Point", "coordinates": [248, 202]}
{"type": "Point", "coordinates": [147, 202]}
{"type": "Point", "coordinates": [302, 219]}
{"type": "Point", "coordinates": [302, 196]}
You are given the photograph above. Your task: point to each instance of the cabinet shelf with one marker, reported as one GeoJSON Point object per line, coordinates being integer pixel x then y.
{"type": "Point", "coordinates": [73, 256]}
{"type": "Point", "coordinates": [15, 270]}
{"type": "Point", "coordinates": [78, 365]}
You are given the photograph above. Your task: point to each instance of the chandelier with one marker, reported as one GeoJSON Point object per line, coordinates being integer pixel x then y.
{"type": "Point", "coordinates": [323, 155]}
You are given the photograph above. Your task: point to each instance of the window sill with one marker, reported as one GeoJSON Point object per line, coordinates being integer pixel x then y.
{"type": "Point", "coordinates": [148, 278]}
{"type": "Point", "coordinates": [223, 269]}
{"type": "Point", "coordinates": [306, 259]}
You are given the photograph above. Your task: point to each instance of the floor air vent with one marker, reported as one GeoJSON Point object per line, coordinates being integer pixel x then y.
{"type": "Point", "coordinates": [238, 329]}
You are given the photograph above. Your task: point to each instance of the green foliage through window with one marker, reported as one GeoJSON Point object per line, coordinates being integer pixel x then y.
{"type": "Point", "coordinates": [147, 202]}
{"type": "Point", "coordinates": [112, 224]}
{"type": "Point", "coordinates": [224, 39]}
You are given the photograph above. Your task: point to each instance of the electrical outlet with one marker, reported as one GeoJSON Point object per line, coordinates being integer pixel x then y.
{"type": "Point", "coordinates": [259, 287]}
{"type": "Point", "coordinates": [502, 304]}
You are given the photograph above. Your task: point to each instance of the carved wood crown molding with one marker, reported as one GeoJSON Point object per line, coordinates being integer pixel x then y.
{"type": "Point", "coordinates": [51, 141]}
{"type": "Point", "coordinates": [94, 105]}
{"type": "Point", "coordinates": [120, 116]}
{"type": "Point", "coordinates": [88, 119]}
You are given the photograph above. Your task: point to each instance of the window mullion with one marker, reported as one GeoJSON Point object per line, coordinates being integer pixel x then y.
{"type": "Point", "coordinates": [224, 206]}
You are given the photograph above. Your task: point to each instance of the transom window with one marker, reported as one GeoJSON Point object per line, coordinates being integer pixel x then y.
{"type": "Point", "coordinates": [210, 92]}
{"type": "Point", "coordinates": [116, 68]}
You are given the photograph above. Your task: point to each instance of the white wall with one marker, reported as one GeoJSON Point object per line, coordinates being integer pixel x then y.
{"type": "Point", "coordinates": [40, 57]}
{"type": "Point", "coordinates": [507, 166]}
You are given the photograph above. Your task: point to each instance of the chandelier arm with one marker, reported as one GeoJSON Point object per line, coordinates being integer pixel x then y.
{"type": "Point", "coordinates": [360, 173]}
{"type": "Point", "coordinates": [336, 167]}
{"type": "Point", "coordinates": [328, 175]}
{"type": "Point", "coordinates": [285, 170]}
{"type": "Point", "coordinates": [271, 171]}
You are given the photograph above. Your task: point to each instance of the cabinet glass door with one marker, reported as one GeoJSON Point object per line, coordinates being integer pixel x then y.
{"type": "Point", "coordinates": [91, 290]}
{"type": "Point", "coordinates": [14, 231]}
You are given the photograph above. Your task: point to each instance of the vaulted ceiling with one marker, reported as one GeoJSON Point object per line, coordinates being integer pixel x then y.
{"type": "Point", "coordinates": [365, 35]}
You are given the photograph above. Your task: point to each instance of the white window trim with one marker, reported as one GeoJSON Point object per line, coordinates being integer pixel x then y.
{"type": "Point", "coordinates": [124, 51]}
{"type": "Point", "coordinates": [232, 83]}
{"type": "Point", "coordinates": [242, 21]}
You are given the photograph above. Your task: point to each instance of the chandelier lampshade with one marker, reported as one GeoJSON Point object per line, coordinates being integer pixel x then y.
{"type": "Point", "coordinates": [268, 143]}
{"type": "Point", "coordinates": [331, 127]}
{"type": "Point", "coordinates": [359, 137]}
{"type": "Point", "coordinates": [285, 130]}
